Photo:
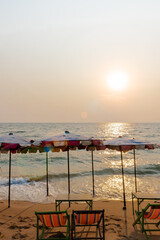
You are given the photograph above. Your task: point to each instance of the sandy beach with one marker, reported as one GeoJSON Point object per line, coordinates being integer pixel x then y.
{"type": "Point", "coordinates": [19, 221]}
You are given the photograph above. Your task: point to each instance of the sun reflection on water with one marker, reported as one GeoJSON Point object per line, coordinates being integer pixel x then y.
{"type": "Point", "coordinates": [112, 158]}
{"type": "Point", "coordinates": [116, 129]}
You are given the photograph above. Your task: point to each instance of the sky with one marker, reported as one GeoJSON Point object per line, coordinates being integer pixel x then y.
{"type": "Point", "coordinates": [58, 56]}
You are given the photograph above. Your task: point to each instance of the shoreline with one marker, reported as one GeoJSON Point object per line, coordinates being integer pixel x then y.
{"type": "Point", "coordinates": [19, 221]}
{"type": "Point", "coordinates": [51, 199]}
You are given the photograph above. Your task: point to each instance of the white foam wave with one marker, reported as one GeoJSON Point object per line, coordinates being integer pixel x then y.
{"type": "Point", "coordinates": [20, 180]}
{"type": "Point", "coordinates": [33, 192]}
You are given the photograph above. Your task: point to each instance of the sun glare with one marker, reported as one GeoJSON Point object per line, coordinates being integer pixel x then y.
{"type": "Point", "coordinates": [117, 81]}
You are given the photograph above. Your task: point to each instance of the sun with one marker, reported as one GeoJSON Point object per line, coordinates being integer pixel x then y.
{"type": "Point", "coordinates": [117, 81]}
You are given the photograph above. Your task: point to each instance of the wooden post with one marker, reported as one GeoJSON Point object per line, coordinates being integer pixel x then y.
{"type": "Point", "coordinates": [47, 173]}
{"type": "Point", "coordinates": [9, 182]}
{"type": "Point", "coordinates": [135, 170]}
{"type": "Point", "coordinates": [92, 172]}
{"type": "Point", "coordinates": [124, 195]}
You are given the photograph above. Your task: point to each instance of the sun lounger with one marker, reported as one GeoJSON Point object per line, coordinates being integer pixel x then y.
{"type": "Point", "coordinates": [148, 218]}
{"type": "Point", "coordinates": [88, 225]}
{"type": "Point", "coordinates": [49, 222]}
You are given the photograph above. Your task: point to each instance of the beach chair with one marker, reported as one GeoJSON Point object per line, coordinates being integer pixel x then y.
{"type": "Point", "coordinates": [148, 218]}
{"type": "Point", "coordinates": [88, 224]}
{"type": "Point", "coordinates": [49, 225]}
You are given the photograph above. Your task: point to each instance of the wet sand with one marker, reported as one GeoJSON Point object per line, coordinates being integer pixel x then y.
{"type": "Point", "coordinates": [19, 221]}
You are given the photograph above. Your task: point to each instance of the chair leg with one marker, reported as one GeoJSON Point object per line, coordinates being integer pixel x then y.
{"type": "Point", "coordinates": [146, 235]}
{"type": "Point", "coordinates": [42, 233]}
{"type": "Point", "coordinates": [68, 229]}
{"type": "Point", "coordinates": [72, 227]}
{"type": "Point", "coordinates": [157, 224]}
{"type": "Point", "coordinates": [138, 218]}
{"type": "Point", "coordinates": [96, 231]}
{"type": "Point", "coordinates": [103, 229]}
{"type": "Point", "coordinates": [37, 229]}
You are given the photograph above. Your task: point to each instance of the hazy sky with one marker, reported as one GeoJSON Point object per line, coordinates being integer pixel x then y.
{"type": "Point", "coordinates": [56, 57]}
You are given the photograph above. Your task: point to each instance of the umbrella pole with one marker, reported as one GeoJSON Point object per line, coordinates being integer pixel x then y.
{"type": "Point", "coordinates": [9, 183]}
{"type": "Point", "coordinates": [135, 171]}
{"type": "Point", "coordinates": [68, 172]}
{"type": "Point", "coordinates": [47, 173]}
{"type": "Point", "coordinates": [68, 177]}
{"type": "Point", "coordinates": [124, 195]}
{"type": "Point", "coordinates": [92, 173]}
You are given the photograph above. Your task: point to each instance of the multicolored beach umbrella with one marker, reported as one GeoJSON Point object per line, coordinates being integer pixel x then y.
{"type": "Point", "coordinates": [124, 145]}
{"type": "Point", "coordinates": [11, 143]}
{"type": "Point", "coordinates": [65, 142]}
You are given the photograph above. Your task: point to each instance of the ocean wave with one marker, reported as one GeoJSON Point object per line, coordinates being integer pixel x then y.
{"type": "Point", "coordinates": [150, 169]}
{"type": "Point", "coordinates": [52, 176]}
{"type": "Point", "coordinates": [19, 131]}
{"type": "Point", "coordinates": [14, 181]}
{"type": "Point", "coordinates": [55, 158]}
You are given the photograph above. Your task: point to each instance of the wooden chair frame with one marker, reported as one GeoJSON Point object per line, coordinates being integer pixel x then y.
{"type": "Point", "coordinates": [44, 227]}
{"type": "Point", "coordinates": [100, 229]}
{"type": "Point", "coordinates": [142, 219]}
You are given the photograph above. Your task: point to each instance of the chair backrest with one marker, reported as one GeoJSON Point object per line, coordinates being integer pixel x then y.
{"type": "Point", "coordinates": [52, 219]}
{"type": "Point", "coordinates": [154, 212]}
{"type": "Point", "coordinates": [88, 217]}
{"type": "Point", "coordinates": [88, 225]}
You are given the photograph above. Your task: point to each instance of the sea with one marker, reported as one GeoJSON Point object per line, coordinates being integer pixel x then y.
{"type": "Point", "coordinates": [28, 172]}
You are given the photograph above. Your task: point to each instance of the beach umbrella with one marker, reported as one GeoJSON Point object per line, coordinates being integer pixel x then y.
{"type": "Point", "coordinates": [65, 142]}
{"type": "Point", "coordinates": [123, 145]}
{"type": "Point", "coordinates": [11, 143]}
